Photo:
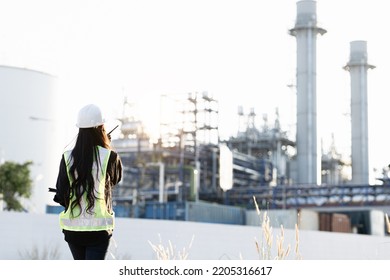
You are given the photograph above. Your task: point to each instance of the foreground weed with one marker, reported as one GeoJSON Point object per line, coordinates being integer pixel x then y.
{"type": "Point", "coordinates": [170, 252]}
{"type": "Point", "coordinates": [264, 249]}
{"type": "Point", "coordinates": [36, 253]}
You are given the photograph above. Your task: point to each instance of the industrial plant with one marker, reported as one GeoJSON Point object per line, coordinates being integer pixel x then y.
{"type": "Point", "coordinates": [189, 173]}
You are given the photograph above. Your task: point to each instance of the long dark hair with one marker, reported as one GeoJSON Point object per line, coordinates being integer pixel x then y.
{"type": "Point", "coordinates": [84, 154]}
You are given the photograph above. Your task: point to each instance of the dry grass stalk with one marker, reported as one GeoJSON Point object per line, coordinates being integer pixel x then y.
{"type": "Point", "coordinates": [169, 252]}
{"type": "Point", "coordinates": [297, 253]}
{"type": "Point", "coordinates": [257, 206]}
{"type": "Point", "coordinates": [387, 223]}
{"type": "Point", "coordinates": [265, 248]}
{"type": "Point", "coordinates": [282, 253]}
{"type": "Point", "coordinates": [39, 253]}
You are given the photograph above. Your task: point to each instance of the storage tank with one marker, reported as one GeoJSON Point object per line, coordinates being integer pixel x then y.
{"type": "Point", "coordinates": [28, 109]}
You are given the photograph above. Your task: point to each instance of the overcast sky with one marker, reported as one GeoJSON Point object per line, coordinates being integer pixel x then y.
{"type": "Point", "coordinates": [238, 51]}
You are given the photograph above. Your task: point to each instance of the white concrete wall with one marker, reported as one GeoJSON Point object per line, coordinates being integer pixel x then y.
{"type": "Point", "coordinates": [288, 218]}
{"type": "Point", "coordinates": [377, 222]}
{"type": "Point", "coordinates": [22, 233]}
{"type": "Point", "coordinates": [306, 219]}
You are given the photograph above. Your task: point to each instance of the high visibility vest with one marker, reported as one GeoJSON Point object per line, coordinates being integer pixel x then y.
{"type": "Point", "coordinates": [100, 218]}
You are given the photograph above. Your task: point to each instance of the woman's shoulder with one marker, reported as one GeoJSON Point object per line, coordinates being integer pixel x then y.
{"type": "Point", "coordinates": [114, 155]}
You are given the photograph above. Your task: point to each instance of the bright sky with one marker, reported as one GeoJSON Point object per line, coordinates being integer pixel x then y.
{"type": "Point", "coordinates": [239, 51]}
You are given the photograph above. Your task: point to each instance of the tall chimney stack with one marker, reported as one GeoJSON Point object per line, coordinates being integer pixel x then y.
{"type": "Point", "coordinates": [305, 32]}
{"type": "Point", "coordinates": [357, 67]}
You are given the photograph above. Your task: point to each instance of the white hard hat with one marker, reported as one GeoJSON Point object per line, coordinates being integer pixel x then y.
{"type": "Point", "coordinates": [89, 116]}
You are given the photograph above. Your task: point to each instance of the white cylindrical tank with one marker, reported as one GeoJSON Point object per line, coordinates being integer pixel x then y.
{"type": "Point", "coordinates": [28, 110]}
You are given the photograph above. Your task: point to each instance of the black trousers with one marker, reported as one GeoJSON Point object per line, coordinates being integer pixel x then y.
{"type": "Point", "coordinates": [88, 245]}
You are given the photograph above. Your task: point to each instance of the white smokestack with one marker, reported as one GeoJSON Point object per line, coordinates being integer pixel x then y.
{"type": "Point", "coordinates": [357, 67]}
{"type": "Point", "coordinates": [305, 31]}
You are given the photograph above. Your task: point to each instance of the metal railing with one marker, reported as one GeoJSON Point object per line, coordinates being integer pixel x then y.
{"type": "Point", "coordinates": [309, 196]}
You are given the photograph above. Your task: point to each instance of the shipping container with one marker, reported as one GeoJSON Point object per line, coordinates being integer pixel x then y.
{"type": "Point", "coordinates": [325, 222]}
{"type": "Point", "coordinates": [340, 223]}
{"type": "Point", "coordinates": [195, 212]}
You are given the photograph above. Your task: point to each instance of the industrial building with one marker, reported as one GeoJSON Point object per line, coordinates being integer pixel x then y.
{"type": "Point", "coordinates": [191, 174]}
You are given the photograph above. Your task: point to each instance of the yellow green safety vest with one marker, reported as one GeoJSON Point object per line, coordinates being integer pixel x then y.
{"type": "Point", "coordinates": [100, 219]}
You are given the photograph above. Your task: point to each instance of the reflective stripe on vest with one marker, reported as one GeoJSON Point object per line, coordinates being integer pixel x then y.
{"type": "Point", "coordinates": [100, 219]}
